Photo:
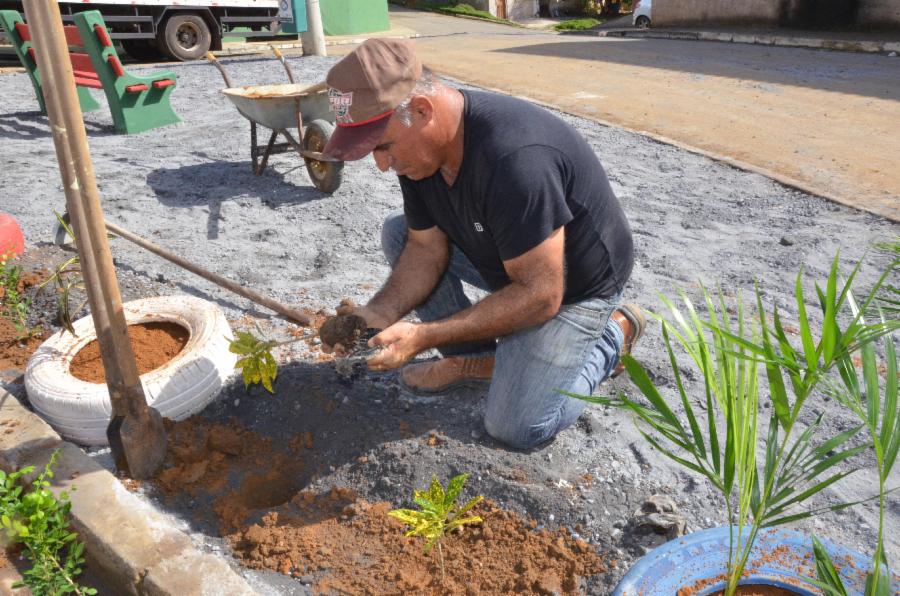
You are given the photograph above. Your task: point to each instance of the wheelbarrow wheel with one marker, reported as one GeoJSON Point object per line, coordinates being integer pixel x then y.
{"type": "Point", "coordinates": [325, 175]}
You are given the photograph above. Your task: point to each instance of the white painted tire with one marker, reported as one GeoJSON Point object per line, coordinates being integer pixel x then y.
{"type": "Point", "coordinates": [80, 411]}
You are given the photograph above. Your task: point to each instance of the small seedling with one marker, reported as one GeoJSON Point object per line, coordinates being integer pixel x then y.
{"type": "Point", "coordinates": [257, 364]}
{"type": "Point", "coordinates": [439, 515]}
{"type": "Point", "coordinates": [13, 304]}
{"type": "Point", "coordinates": [39, 521]}
{"type": "Point", "coordinates": [67, 277]}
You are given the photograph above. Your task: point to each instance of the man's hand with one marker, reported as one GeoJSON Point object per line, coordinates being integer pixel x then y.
{"type": "Point", "coordinates": [401, 342]}
{"type": "Point", "coordinates": [373, 319]}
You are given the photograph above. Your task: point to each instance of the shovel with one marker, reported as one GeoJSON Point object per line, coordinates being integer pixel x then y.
{"type": "Point", "coordinates": [135, 432]}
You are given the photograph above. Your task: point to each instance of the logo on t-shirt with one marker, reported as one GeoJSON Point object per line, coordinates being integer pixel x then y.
{"type": "Point", "coordinates": [478, 227]}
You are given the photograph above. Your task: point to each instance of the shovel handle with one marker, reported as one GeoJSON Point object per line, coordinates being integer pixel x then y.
{"type": "Point", "coordinates": [282, 309]}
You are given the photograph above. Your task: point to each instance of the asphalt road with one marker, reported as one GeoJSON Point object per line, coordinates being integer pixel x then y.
{"type": "Point", "coordinates": [828, 122]}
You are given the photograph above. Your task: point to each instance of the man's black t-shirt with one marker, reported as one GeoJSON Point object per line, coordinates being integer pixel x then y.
{"type": "Point", "coordinates": [524, 174]}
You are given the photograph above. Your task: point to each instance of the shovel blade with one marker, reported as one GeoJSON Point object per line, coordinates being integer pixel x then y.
{"type": "Point", "coordinates": [138, 443]}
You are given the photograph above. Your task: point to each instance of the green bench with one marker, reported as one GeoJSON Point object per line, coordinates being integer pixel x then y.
{"type": "Point", "coordinates": [137, 103]}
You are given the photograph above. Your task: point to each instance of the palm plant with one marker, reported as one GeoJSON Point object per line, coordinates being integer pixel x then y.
{"type": "Point", "coordinates": [877, 406]}
{"type": "Point", "coordinates": [889, 300]}
{"type": "Point", "coordinates": [728, 354]}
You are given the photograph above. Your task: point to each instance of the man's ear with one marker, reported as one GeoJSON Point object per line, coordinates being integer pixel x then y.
{"type": "Point", "coordinates": [421, 108]}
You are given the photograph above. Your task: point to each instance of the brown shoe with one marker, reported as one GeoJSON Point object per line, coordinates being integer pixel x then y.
{"type": "Point", "coordinates": [631, 319]}
{"type": "Point", "coordinates": [440, 376]}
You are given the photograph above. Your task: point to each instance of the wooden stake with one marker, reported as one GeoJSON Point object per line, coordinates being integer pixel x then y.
{"type": "Point", "coordinates": [136, 434]}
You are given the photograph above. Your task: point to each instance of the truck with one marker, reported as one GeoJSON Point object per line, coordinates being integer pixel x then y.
{"type": "Point", "coordinates": [154, 29]}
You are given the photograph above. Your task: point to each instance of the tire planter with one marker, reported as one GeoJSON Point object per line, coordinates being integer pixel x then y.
{"type": "Point", "coordinates": [80, 411]}
{"type": "Point", "coordinates": [703, 555]}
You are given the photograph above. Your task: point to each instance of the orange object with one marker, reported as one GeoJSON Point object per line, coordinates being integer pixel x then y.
{"type": "Point", "coordinates": [12, 242]}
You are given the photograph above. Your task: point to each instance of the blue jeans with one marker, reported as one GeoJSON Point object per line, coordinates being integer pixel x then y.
{"type": "Point", "coordinates": [574, 351]}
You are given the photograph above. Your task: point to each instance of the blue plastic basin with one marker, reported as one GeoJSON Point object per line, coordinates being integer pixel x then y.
{"type": "Point", "coordinates": [703, 556]}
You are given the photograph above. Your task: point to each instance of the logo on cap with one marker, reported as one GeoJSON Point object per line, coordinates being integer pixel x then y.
{"type": "Point", "coordinates": [340, 105]}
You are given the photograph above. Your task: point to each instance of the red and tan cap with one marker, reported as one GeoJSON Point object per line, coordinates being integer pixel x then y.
{"type": "Point", "coordinates": [364, 89]}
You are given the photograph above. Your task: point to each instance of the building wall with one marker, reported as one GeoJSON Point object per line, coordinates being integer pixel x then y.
{"type": "Point", "coordinates": [812, 14]}
{"type": "Point", "coordinates": [667, 13]}
{"type": "Point", "coordinates": [348, 17]}
{"type": "Point", "coordinates": [518, 10]}
{"type": "Point", "coordinates": [878, 12]}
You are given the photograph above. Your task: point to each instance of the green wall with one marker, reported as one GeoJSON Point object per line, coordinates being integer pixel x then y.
{"type": "Point", "coordinates": [348, 17]}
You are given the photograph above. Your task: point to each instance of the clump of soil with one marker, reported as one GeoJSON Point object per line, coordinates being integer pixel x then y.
{"type": "Point", "coordinates": [154, 345]}
{"type": "Point", "coordinates": [343, 329]}
{"type": "Point", "coordinates": [346, 545]}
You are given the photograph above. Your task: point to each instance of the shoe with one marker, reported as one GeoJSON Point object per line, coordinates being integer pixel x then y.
{"type": "Point", "coordinates": [436, 377]}
{"type": "Point", "coordinates": [631, 319]}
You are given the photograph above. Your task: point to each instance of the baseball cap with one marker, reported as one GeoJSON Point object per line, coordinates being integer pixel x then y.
{"type": "Point", "coordinates": [364, 89]}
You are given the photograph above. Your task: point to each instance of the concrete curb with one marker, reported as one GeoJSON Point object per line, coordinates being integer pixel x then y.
{"type": "Point", "coordinates": [842, 45]}
{"type": "Point", "coordinates": [233, 48]}
{"type": "Point", "coordinates": [128, 543]}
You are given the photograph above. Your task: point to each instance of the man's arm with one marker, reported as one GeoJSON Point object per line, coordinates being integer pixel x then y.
{"type": "Point", "coordinates": [533, 296]}
{"type": "Point", "coordinates": [415, 275]}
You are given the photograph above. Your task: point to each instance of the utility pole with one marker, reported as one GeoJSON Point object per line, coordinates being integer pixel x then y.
{"type": "Point", "coordinates": [314, 37]}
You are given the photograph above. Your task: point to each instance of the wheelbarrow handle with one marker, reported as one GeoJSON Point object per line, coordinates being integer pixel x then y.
{"type": "Point", "coordinates": [284, 63]}
{"type": "Point", "coordinates": [215, 62]}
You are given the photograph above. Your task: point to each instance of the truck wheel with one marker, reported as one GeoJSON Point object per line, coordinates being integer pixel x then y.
{"type": "Point", "coordinates": [642, 22]}
{"type": "Point", "coordinates": [325, 175]}
{"type": "Point", "coordinates": [185, 37]}
{"type": "Point", "coordinates": [142, 49]}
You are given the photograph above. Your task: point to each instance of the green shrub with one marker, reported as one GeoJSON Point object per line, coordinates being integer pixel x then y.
{"type": "Point", "coordinates": [39, 521]}
{"type": "Point", "coordinates": [577, 25]}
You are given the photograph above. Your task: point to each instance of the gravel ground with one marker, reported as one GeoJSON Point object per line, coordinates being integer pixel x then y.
{"type": "Point", "coordinates": [189, 188]}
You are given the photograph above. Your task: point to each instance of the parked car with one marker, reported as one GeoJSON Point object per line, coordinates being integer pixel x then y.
{"type": "Point", "coordinates": [641, 15]}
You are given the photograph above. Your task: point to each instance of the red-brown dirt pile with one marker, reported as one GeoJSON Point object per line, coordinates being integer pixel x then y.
{"type": "Point", "coordinates": [14, 349]}
{"type": "Point", "coordinates": [351, 546]}
{"type": "Point", "coordinates": [344, 544]}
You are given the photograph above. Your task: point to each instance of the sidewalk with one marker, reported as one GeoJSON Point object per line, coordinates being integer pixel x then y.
{"type": "Point", "coordinates": [286, 43]}
{"type": "Point", "coordinates": [10, 64]}
{"type": "Point", "coordinates": [822, 40]}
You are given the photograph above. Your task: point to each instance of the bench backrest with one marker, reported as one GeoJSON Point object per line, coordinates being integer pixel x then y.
{"type": "Point", "coordinates": [82, 65]}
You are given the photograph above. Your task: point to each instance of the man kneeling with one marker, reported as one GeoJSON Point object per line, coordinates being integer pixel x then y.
{"type": "Point", "coordinates": [502, 195]}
